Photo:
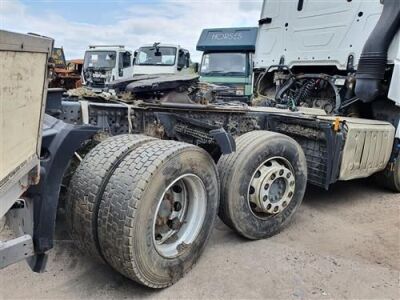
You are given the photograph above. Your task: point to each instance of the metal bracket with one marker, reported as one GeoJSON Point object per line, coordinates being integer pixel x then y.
{"type": "Point", "coordinates": [15, 250]}
{"type": "Point", "coordinates": [224, 140]}
{"type": "Point", "coordinates": [20, 221]}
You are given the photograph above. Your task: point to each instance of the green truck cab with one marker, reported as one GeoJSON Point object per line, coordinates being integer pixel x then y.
{"type": "Point", "coordinates": [228, 61]}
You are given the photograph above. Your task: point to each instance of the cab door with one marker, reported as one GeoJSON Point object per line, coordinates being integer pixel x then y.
{"type": "Point", "coordinates": [125, 68]}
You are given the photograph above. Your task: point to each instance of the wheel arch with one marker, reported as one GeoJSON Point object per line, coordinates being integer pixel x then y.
{"type": "Point", "coordinates": [60, 141]}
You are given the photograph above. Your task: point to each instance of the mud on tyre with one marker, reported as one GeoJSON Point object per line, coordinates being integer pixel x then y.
{"type": "Point", "coordinates": [87, 186]}
{"type": "Point", "coordinates": [262, 183]}
{"type": "Point", "coordinates": [157, 212]}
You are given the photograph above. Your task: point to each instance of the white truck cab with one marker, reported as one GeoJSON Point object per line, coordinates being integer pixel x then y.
{"type": "Point", "coordinates": [160, 58]}
{"type": "Point", "coordinates": [317, 33]}
{"type": "Point", "coordinates": [106, 63]}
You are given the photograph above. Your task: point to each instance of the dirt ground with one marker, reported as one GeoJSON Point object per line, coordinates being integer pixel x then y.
{"type": "Point", "coordinates": [341, 244]}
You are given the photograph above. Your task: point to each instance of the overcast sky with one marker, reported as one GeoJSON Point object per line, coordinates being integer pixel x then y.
{"type": "Point", "coordinates": [74, 24]}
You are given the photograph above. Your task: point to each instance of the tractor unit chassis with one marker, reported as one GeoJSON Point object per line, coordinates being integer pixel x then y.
{"type": "Point", "coordinates": [154, 176]}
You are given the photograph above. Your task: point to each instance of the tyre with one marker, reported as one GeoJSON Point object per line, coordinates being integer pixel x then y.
{"type": "Point", "coordinates": [262, 183]}
{"type": "Point", "coordinates": [87, 186]}
{"type": "Point", "coordinates": [158, 211]}
{"type": "Point", "coordinates": [72, 166]}
{"type": "Point", "coordinates": [390, 178]}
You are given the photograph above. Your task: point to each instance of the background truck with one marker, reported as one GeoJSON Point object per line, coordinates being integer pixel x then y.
{"type": "Point", "coordinates": [162, 59]}
{"type": "Point", "coordinates": [23, 85]}
{"type": "Point", "coordinates": [106, 63]}
{"type": "Point", "coordinates": [64, 74]}
{"type": "Point", "coordinates": [228, 60]}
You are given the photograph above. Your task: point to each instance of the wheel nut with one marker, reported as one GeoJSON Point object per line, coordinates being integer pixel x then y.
{"type": "Point", "coordinates": [174, 224]}
{"type": "Point", "coordinates": [252, 190]}
{"type": "Point", "coordinates": [177, 206]}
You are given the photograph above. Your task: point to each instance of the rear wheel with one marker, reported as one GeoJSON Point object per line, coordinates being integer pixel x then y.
{"type": "Point", "coordinates": [157, 212]}
{"type": "Point", "coordinates": [87, 186]}
{"type": "Point", "coordinates": [262, 183]}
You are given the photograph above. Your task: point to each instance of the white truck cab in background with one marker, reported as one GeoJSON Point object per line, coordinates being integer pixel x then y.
{"type": "Point", "coordinates": [106, 63]}
{"type": "Point", "coordinates": [160, 58]}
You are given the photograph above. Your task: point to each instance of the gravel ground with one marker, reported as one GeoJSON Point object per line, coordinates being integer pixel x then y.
{"type": "Point", "coordinates": [342, 244]}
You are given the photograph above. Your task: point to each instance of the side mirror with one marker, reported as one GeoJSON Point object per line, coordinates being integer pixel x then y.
{"type": "Point", "coordinates": [181, 64]}
{"type": "Point", "coordinates": [196, 67]}
{"type": "Point", "coordinates": [120, 72]}
{"type": "Point", "coordinates": [182, 61]}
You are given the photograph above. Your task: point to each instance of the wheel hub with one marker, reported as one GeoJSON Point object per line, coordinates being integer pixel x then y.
{"type": "Point", "coordinates": [277, 190]}
{"type": "Point", "coordinates": [180, 215]}
{"type": "Point", "coordinates": [170, 212]}
{"type": "Point", "coordinates": [272, 187]}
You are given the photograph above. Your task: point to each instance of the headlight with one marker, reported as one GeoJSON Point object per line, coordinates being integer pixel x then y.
{"type": "Point", "coordinates": [240, 92]}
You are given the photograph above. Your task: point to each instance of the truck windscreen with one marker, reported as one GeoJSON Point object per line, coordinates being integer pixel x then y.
{"type": "Point", "coordinates": [160, 56]}
{"type": "Point", "coordinates": [99, 59]}
{"type": "Point", "coordinates": [224, 64]}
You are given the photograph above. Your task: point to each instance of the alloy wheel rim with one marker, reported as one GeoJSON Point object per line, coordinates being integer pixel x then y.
{"type": "Point", "coordinates": [271, 188]}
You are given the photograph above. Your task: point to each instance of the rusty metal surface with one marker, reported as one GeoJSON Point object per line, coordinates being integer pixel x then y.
{"type": "Point", "coordinates": [65, 74]}
{"type": "Point", "coordinates": [76, 61]}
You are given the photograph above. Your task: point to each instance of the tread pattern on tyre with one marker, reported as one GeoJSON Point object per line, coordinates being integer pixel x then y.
{"type": "Point", "coordinates": [225, 167]}
{"type": "Point", "coordinates": [118, 207]}
{"type": "Point", "coordinates": [88, 184]}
